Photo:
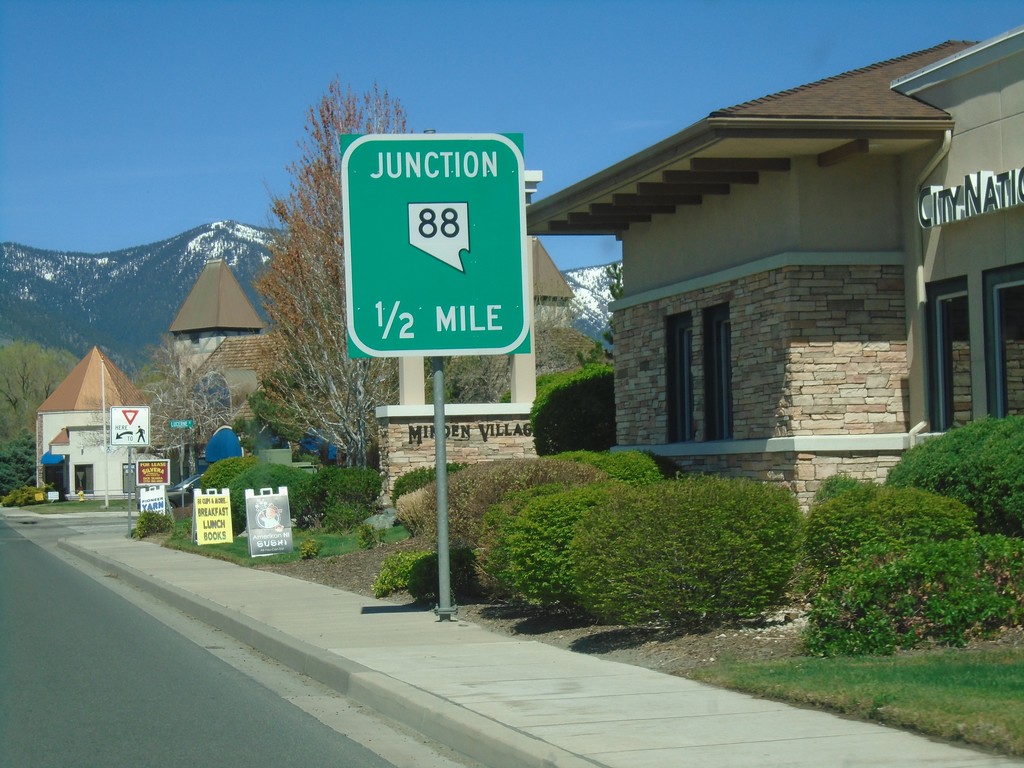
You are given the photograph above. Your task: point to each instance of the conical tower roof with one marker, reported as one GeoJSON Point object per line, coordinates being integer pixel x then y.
{"type": "Point", "coordinates": [215, 302]}
{"type": "Point", "coordinates": [92, 381]}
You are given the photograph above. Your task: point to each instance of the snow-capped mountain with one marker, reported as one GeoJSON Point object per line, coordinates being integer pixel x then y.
{"type": "Point", "coordinates": [592, 288]}
{"type": "Point", "coordinates": [121, 301]}
{"type": "Point", "coordinates": [124, 301]}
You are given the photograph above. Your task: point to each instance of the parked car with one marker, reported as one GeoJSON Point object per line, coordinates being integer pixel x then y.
{"type": "Point", "coordinates": [180, 494]}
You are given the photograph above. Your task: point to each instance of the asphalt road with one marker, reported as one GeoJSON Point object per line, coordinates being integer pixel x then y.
{"type": "Point", "coordinates": [91, 674]}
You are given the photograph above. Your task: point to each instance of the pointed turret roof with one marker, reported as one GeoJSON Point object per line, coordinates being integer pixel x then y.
{"type": "Point", "coordinates": [548, 282]}
{"type": "Point", "coordinates": [215, 302]}
{"type": "Point", "coordinates": [92, 381]}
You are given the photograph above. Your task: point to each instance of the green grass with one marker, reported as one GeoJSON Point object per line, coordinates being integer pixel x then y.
{"type": "Point", "coordinates": [238, 550]}
{"type": "Point", "coordinates": [73, 505]}
{"type": "Point", "coordinates": [975, 696]}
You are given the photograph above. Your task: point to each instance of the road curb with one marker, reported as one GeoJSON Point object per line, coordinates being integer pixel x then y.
{"type": "Point", "coordinates": [474, 735]}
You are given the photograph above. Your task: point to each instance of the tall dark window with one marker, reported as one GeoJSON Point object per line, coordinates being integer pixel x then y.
{"type": "Point", "coordinates": [949, 354]}
{"type": "Point", "coordinates": [718, 372]}
{"type": "Point", "coordinates": [1004, 340]}
{"type": "Point", "coordinates": [679, 361]}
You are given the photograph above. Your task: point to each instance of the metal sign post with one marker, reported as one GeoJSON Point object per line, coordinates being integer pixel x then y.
{"type": "Point", "coordinates": [444, 609]}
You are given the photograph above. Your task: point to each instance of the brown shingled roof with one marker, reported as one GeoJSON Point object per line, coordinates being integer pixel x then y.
{"type": "Point", "coordinates": [240, 353]}
{"type": "Point", "coordinates": [216, 301]}
{"type": "Point", "coordinates": [858, 94]}
{"type": "Point", "coordinates": [92, 381]}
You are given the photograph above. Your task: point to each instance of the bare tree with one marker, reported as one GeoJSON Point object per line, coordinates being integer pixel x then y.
{"type": "Point", "coordinates": [314, 381]}
{"type": "Point", "coordinates": [177, 391]}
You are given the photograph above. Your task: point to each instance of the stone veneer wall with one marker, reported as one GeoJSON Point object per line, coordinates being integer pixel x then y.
{"type": "Point", "coordinates": [407, 442]}
{"type": "Point", "coordinates": [816, 350]}
{"type": "Point", "coordinates": [800, 472]}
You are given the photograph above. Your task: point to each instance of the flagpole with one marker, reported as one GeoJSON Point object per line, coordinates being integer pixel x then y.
{"type": "Point", "coordinates": [106, 444]}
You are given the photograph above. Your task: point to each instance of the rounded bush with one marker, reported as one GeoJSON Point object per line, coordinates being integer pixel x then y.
{"type": "Point", "coordinates": [26, 496]}
{"type": "Point", "coordinates": [418, 478]}
{"type": "Point", "coordinates": [273, 476]}
{"type": "Point", "coordinates": [149, 523]}
{"type": "Point", "coordinates": [492, 560]}
{"type": "Point", "coordinates": [424, 581]}
{"type": "Point", "coordinates": [341, 498]}
{"type": "Point", "coordinates": [836, 485]}
{"type": "Point", "coordinates": [892, 518]}
{"type": "Point", "coordinates": [980, 464]}
{"type": "Point", "coordinates": [933, 593]}
{"type": "Point", "coordinates": [686, 551]}
{"type": "Point", "coordinates": [475, 489]}
{"type": "Point", "coordinates": [531, 554]}
{"type": "Point", "coordinates": [221, 474]}
{"type": "Point", "coordinates": [575, 411]}
{"type": "Point", "coordinates": [394, 572]}
{"type": "Point", "coordinates": [630, 467]}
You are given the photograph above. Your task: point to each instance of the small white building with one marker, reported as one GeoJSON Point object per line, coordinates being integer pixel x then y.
{"type": "Point", "coordinates": [71, 434]}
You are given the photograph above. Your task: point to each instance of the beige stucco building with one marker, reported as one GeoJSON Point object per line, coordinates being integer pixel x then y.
{"type": "Point", "coordinates": [815, 279]}
{"type": "Point", "coordinates": [72, 436]}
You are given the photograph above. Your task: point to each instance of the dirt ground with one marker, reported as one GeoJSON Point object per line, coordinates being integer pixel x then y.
{"type": "Point", "coordinates": [660, 648]}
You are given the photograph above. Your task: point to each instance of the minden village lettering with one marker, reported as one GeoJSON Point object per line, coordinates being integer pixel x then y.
{"type": "Point", "coordinates": [419, 432]}
{"type": "Point", "coordinates": [982, 192]}
{"type": "Point", "coordinates": [435, 165]}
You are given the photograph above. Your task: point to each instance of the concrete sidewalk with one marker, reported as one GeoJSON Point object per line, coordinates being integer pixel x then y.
{"type": "Point", "coordinates": [504, 702]}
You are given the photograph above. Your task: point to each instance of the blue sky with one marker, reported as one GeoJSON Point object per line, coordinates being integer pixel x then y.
{"type": "Point", "coordinates": [123, 123]}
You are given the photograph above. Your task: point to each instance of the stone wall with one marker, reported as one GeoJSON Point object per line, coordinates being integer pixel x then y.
{"type": "Point", "coordinates": [407, 441]}
{"type": "Point", "coordinates": [816, 351]}
{"type": "Point", "coordinates": [800, 472]}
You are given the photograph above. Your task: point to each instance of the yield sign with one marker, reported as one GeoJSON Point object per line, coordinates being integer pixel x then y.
{"type": "Point", "coordinates": [129, 425]}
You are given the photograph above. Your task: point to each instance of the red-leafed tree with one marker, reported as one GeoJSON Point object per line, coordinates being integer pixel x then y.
{"type": "Point", "coordinates": [315, 385]}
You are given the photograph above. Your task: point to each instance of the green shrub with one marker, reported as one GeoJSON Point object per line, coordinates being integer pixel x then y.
{"type": "Point", "coordinates": [836, 485]}
{"type": "Point", "coordinates": [309, 549]}
{"type": "Point", "coordinates": [17, 462]}
{"type": "Point", "coordinates": [475, 489]}
{"type": "Point", "coordinates": [265, 475]}
{"type": "Point", "coordinates": [26, 495]}
{"type": "Point", "coordinates": [492, 560]}
{"type": "Point", "coordinates": [341, 498]}
{"type": "Point", "coordinates": [370, 536]}
{"type": "Point", "coordinates": [424, 581]}
{"type": "Point", "coordinates": [418, 478]}
{"type": "Point", "coordinates": [341, 518]}
{"type": "Point", "coordinates": [630, 467]}
{"type": "Point", "coordinates": [149, 523]}
{"type": "Point", "coordinates": [354, 485]}
{"type": "Point", "coordinates": [394, 572]}
{"type": "Point", "coordinates": [531, 555]}
{"type": "Point", "coordinates": [980, 464]}
{"type": "Point", "coordinates": [686, 551]}
{"type": "Point", "coordinates": [892, 518]}
{"type": "Point", "coordinates": [575, 411]}
{"type": "Point", "coordinates": [933, 593]}
{"type": "Point", "coordinates": [221, 474]}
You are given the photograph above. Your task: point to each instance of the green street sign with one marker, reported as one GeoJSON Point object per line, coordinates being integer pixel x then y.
{"type": "Point", "coordinates": [435, 245]}
{"type": "Point", "coordinates": [181, 423]}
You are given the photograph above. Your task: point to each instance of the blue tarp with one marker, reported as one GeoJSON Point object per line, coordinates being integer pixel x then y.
{"type": "Point", "coordinates": [51, 458]}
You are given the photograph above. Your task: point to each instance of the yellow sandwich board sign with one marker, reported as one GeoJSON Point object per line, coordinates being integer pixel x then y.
{"type": "Point", "coordinates": [211, 517]}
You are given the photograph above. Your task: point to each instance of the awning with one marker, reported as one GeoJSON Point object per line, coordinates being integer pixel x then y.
{"type": "Point", "coordinates": [49, 459]}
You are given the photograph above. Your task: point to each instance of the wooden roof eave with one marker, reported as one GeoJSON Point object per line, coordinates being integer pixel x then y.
{"type": "Point", "coordinates": [580, 208]}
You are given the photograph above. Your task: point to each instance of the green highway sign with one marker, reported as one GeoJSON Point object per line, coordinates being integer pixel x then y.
{"type": "Point", "coordinates": [181, 423]}
{"type": "Point", "coordinates": [435, 245]}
